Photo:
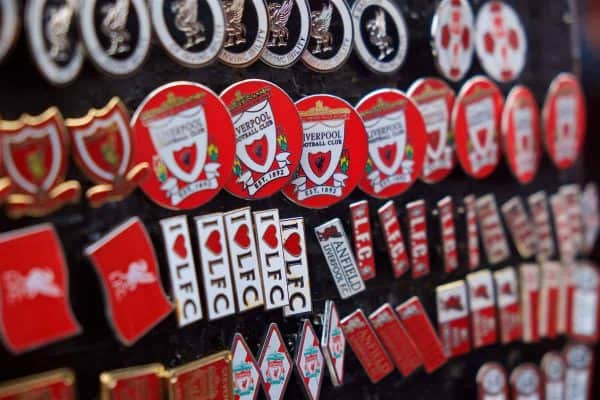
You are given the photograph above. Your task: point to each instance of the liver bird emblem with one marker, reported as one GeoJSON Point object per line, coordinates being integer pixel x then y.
{"type": "Point", "coordinates": [57, 30]}
{"type": "Point", "coordinates": [378, 36]}
{"type": "Point", "coordinates": [279, 14]}
{"type": "Point", "coordinates": [186, 20]}
{"type": "Point", "coordinates": [137, 274]}
{"type": "Point", "coordinates": [319, 29]}
{"type": "Point", "coordinates": [236, 30]}
{"type": "Point", "coordinates": [114, 26]}
{"type": "Point", "coordinates": [38, 282]}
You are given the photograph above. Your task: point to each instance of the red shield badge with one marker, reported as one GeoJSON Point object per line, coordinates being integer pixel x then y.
{"type": "Point", "coordinates": [34, 290]}
{"type": "Point", "coordinates": [34, 149]}
{"type": "Point", "coordinates": [476, 121]}
{"type": "Point", "coordinates": [396, 142]}
{"type": "Point", "coordinates": [334, 152]}
{"type": "Point", "coordinates": [184, 132]}
{"type": "Point", "coordinates": [126, 265]}
{"type": "Point", "coordinates": [103, 149]}
{"type": "Point", "coordinates": [564, 117]}
{"type": "Point", "coordinates": [268, 135]}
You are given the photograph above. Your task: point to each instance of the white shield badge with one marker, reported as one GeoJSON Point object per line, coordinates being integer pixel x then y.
{"type": "Point", "coordinates": [435, 113]}
{"type": "Point", "coordinates": [323, 143]}
{"type": "Point", "coordinates": [480, 122]}
{"type": "Point", "coordinates": [387, 139]}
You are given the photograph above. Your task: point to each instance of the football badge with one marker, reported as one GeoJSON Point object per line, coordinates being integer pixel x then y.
{"type": "Point", "coordinates": [289, 31]}
{"type": "Point", "coordinates": [275, 364]}
{"type": "Point", "coordinates": [509, 308]}
{"type": "Point", "coordinates": [453, 318]}
{"type": "Point", "coordinates": [363, 240]}
{"type": "Point", "coordinates": [491, 382]}
{"type": "Point", "coordinates": [396, 142]}
{"type": "Point", "coordinates": [51, 27]}
{"type": "Point", "coordinates": [207, 378]}
{"type": "Point", "coordinates": [246, 31]}
{"type": "Point", "coordinates": [269, 138]}
{"type": "Point", "coordinates": [435, 100]}
{"type": "Point", "coordinates": [246, 375]}
{"type": "Point", "coordinates": [334, 152]}
{"type": "Point", "coordinates": [184, 132]}
{"type": "Point", "coordinates": [58, 384]}
{"type": "Point", "coordinates": [331, 35]}
{"type": "Point", "coordinates": [526, 382]}
{"type": "Point", "coordinates": [142, 382]}
{"type": "Point", "coordinates": [103, 149]}
{"type": "Point", "coordinates": [521, 133]}
{"type": "Point", "coordinates": [116, 34]}
{"type": "Point", "coordinates": [564, 118]}
{"type": "Point", "coordinates": [500, 41]}
{"type": "Point", "coordinates": [553, 367]}
{"type": "Point", "coordinates": [10, 24]}
{"type": "Point", "coordinates": [445, 211]}
{"type": "Point", "coordinates": [333, 343]}
{"type": "Point", "coordinates": [191, 31]}
{"type": "Point", "coordinates": [309, 361]}
{"type": "Point", "coordinates": [452, 40]}
{"type": "Point", "coordinates": [579, 376]}
{"type": "Point", "coordinates": [34, 150]}
{"type": "Point", "coordinates": [380, 35]}
{"type": "Point", "coordinates": [476, 121]}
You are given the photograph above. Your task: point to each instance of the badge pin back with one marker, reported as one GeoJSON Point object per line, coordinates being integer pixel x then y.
{"type": "Point", "coordinates": [390, 224]}
{"type": "Point", "coordinates": [268, 138]}
{"type": "Point", "coordinates": [395, 160]}
{"type": "Point", "coordinates": [453, 318]}
{"type": "Point", "coordinates": [11, 25]}
{"type": "Point", "coordinates": [194, 34]}
{"type": "Point", "coordinates": [419, 246]}
{"type": "Point", "coordinates": [116, 49]}
{"type": "Point", "coordinates": [380, 35]}
{"type": "Point", "coordinates": [184, 382]}
{"type": "Point", "coordinates": [482, 304]}
{"type": "Point", "coordinates": [445, 209]}
{"type": "Point", "coordinates": [309, 361]}
{"type": "Point", "coordinates": [491, 382]}
{"type": "Point", "coordinates": [135, 383]}
{"type": "Point", "coordinates": [526, 382]}
{"type": "Point", "coordinates": [275, 364]}
{"type": "Point", "coordinates": [296, 262]}
{"type": "Point", "coordinates": [56, 384]}
{"type": "Point", "coordinates": [246, 375]}
{"type": "Point", "coordinates": [363, 240]}
{"type": "Point", "coordinates": [244, 43]}
{"type": "Point", "coordinates": [492, 231]}
{"type": "Point", "coordinates": [333, 343]}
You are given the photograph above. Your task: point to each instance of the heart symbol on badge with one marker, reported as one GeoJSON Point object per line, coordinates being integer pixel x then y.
{"type": "Point", "coordinates": [270, 237]}
{"type": "Point", "coordinates": [241, 236]}
{"type": "Point", "coordinates": [292, 244]}
{"type": "Point", "coordinates": [179, 246]}
{"type": "Point", "coordinates": [213, 242]}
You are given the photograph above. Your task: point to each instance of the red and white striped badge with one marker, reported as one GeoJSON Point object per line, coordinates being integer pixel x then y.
{"type": "Point", "coordinates": [538, 207]}
{"type": "Point", "coordinates": [509, 309]}
{"type": "Point", "coordinates": [482, 304]}
{"type": "Point", "coordinates": [419, 247]}
{"type": "Point", "coordinates": [529, 277]}
{"type": "Point", "coordinates": [363, 241]}
{"type": "Point", "coordinates": [445, 211]}
{"type": "Point", "coordinates": [453, 318]}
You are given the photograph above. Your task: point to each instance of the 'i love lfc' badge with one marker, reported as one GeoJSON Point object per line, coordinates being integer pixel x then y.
{"type": "Point", "coordinates": [268, 135]}
{"type": "Point", "coordinates": [333, 155]}
{"type": "Point", "coordinates": [184, 132]}
{"type": "Point", "coordinates": [396, 142]}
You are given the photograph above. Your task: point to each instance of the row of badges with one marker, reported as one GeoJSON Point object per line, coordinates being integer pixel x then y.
{"type": "Point", "coordinates": [184, 143]}
{"type": "Point", "coordinates": [117, 34]}
{"type": "Point", "coordinates": [567, 374]}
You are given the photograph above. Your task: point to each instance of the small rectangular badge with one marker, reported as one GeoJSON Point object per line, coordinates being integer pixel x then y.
{"type": "Point", "coordinates": [453, 318]}
{"type": "Point", "coordinates": [562, 227]}
{"type": "Point", "coordinates": [270, 251]}
{"type": "Point", "coordinates": [333, 343]}
{"type": "Point", "coordinates": [419, 251]}
{"type": "Point", "coordinates": [582, 323]}
{"type": "Point", "coordinates": [144, 382]}
{"type": "Point", "coordinates": [388, 218]}
{"type": "Point", "coordinates": [182, 269]}
{"type": "Point", "coordinates": [549, 309]}
{"type": "Point", "coordinates": [529, 275]}
{"type": "Point", "coordinates": [339, 257]}
{"type": "Point", "coordinates": [448, 234]}
{"type": "Point", "coordinates": [366, 346]}
{"type": "Point", "coordinates": [244, 259]}
{"type": "Point", "coordinates": [395, 339]}
{"type": "Point", "coordinates": [572, 196]}
{"type": "Point", "coordinates": [579, 376]}
{"type": "Point", "coordinates": [509, 308]}
{"type": "Point", "coordinates": [419, 328]}
{"type": "Point", "coordinates": [363, 241]}
{"type": "Point", "coordinates": [216, 271]}
{"type": "Point", "coordinates": [209, 378]}
{"type": "Point", "coordinates": [492, 232]}
{"type": "Point", "coordinates": [519, 226]}
{"type": "Point", "coordinates": [296, 267]}
{"type": "Point", "coordinates": [474, 254]}
{"type": "Point", "coordinates": [483, 308]}
{"type": "Point", "coordinates": [538, 206]}
{"type": "Point", "coordinates": [58, 384]}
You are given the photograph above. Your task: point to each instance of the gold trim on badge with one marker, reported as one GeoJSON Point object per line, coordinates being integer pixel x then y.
{"type": "Point", "coordinates": [321, 110]}
{"type": "Point", "coordinates": [110, 379]}
{"type": "Point", "coordinates": [22, 385]}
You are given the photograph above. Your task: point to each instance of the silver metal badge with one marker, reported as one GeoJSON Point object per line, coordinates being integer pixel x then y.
{"type": "Point", "coordinates": [380, 35]}
{"type": "Point", "coordinates": [328, 19]}
{"type": "Point", "coordinates": [10, 24]}
{"type": "Point", "coordinates": [119, 43]}
{"type": "Point", "coordinates": [51, 28]}
{"type": "Point", "coordinates": [191, 31]}
{"type": "Point", "coordinates": [296, 266]}
{"type": "Point", "coordinates": [244, 43]}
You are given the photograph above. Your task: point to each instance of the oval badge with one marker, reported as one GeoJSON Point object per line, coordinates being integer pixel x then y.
{"type": "Point", "coordinates": [475, 122]}
{"type": "Point", "coordinates": [435, 100]}
{"type": "Point", "coordinates": [246, 30]}
{"type": "Point", "coordinates": [184, 132]}
{"type": "Point", "coordinates": [564, 120]}
{"type": "Point", "coordinates": [191, 31]}
{"type": "Point", "coordinates": [116, 34]}
{"type": "Point", "coordinates": [396, 141]}
{"type": "Point", "coordinates": [521, 133]}
{"type": "Point", "coordinates": [331, 35]}
{"type": "Point", "coordinates": [452, 40]}
{"type": "Point", "coordinates": [10, 24]}
{"type": "Point", "coordinates": [269, 138]}
{"type": "Point", "coordinates": [380, 35]}
{"type": "Point", "coordinates": [500, 41]}
{"type": "Point", "coordinates": [334, 152]}
{"type": "Point", "coordinates": [289, 32]}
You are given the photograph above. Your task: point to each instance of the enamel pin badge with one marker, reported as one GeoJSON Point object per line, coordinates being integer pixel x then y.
{"type": "Point", "coordinates": [474, 254]}
{"type": "Point", "coordinates": [34, 151]}
{"type": "Point", "coordinates": [453, 318]}
{"type": "Point", "coordinates": [275, 364]}
{"type": "Point", "coordinates": [10, 22]}
{"type": "Point", "coordinates": [207, 378]}
{"type": "Point", "coordinates": [509, 308]}
{"type": "Point", "coordinates": [590, 211]}
{"type": "Point", "coordinates": [452, 38]}
{"type": "Point", "coordinates": [538, 206]}
{"type": "Point", "coordinates": [492, 231]}
{"type": "Point", "coordinates": [529, 282]}
{"type": "Point", "coordinates": [333, 343]}
{"type": "Point", "coordinates": [392, 232]}
{"type": "Point", "coordinates": [247, 379]}
{"type": "Point", "coordinates": [268, 138]}
{"type": "Point", "coordinates": [482, 304]}
{"type": "Point", "coordinates": [491, 382]}
{"type": "Point", "coordinates": [550, 309]}
{"type": "Point", "coordinates": [580, 369]}
{"type": "Point", "coordinates": [309, 361]}
{"type": "Point", "coordinates": [419, 248]}
{"type": "Point", "coordinates": [573, 201]}
{"type": "Point", "coordinates": [296, 267]}
{"type": "Point", "coordinates": [103, 148]}
{"type": "Point", "coordinates": [526, 382]}
{"type": "Point", "coordinates": [520, 226]}
{"type": "Point", "coordinates": [445, 209]}
{"type": "Point", "coordinates": [583, 303]}
{"type": "Point", "coordinates": [380, 35]}
{"type": "Point", "coordinates": [553, 368]}
{"type": "Point", "coordinates": [58, 384]}
{"type": "Point", "coordinates": [142, 382]}
{"type": "Point", "coordinates": [363, 241]}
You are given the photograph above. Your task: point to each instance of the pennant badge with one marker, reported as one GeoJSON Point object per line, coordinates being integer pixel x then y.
{"type": "Point", "coordinates": [363, 241]}
{"type": "Point", "coordinates": [207, 378]}
{"type": "Point", "coordinates": [482, 303]}
{"type": "Point", "coordinates": [275, 364]}
{"type": "Point", "coordinates": [388, 218]}
{"type": "Point", "coordinates": [453, 318]}
{"type": "Point", "coordinates": [509, 308]}
{"type": "Point", "coordinates": [492, 232]}
{"type": "Point", "coordinates": [142, 382]}
{"type": "Point", "coordinates": [445, 210]}
{"type": "Point", "coordinates": [419, 251]}
{"type": "Point", "coordinates": [296, 267]}
{"type": "Point", "coordinates": [333, 343]}
{"type": "Point", "coordinates": [58, 384]}
{"type": "Point", "coordinates": [309, 361]}
{"type": "Point", "coordinates": [246, 375]}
